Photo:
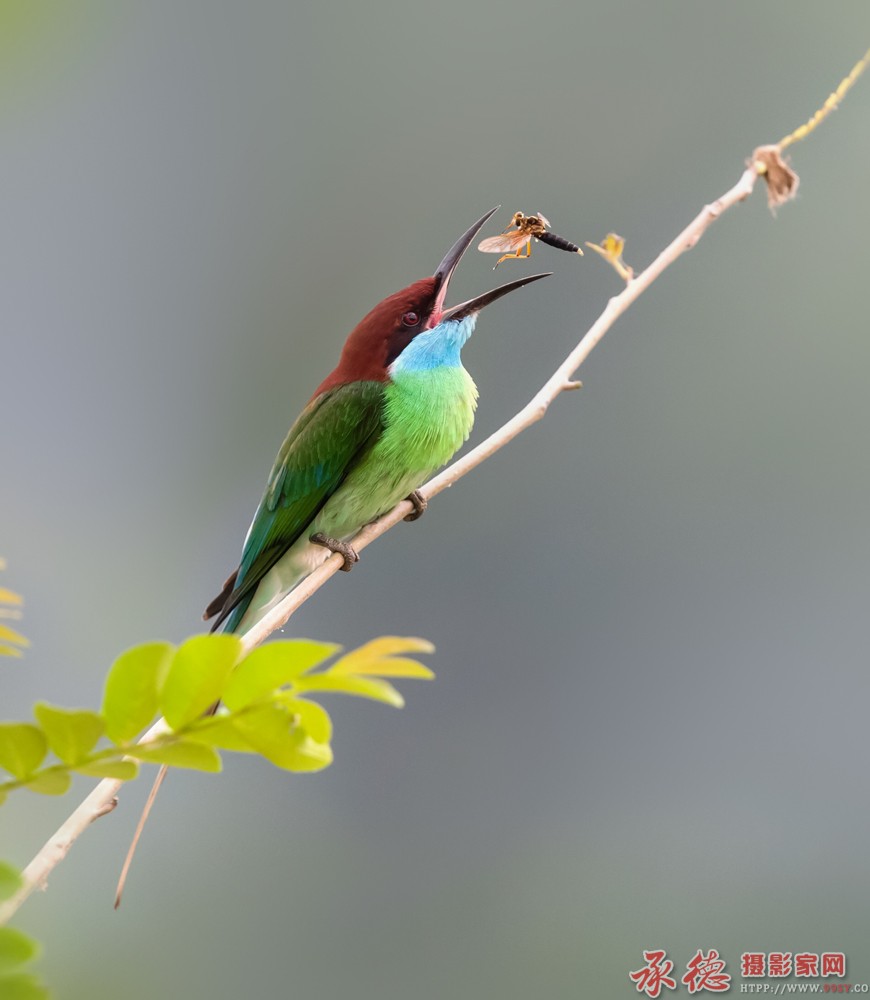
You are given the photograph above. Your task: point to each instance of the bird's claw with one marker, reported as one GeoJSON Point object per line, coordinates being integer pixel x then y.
{"type": "Point", "coordinates": [420, 504]}
{"type": "Point", "coordinates": [335, 545]}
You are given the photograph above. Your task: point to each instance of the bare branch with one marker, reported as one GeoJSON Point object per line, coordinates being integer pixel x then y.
{"type": "Point", "coordinates": [35, 876]}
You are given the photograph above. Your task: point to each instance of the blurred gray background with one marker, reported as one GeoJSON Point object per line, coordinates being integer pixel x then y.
{"type": "Point", "coordinates": [648, 727]}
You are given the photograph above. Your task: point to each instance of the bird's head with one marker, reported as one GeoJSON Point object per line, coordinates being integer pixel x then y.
{"type": "Point", "coordinates": [416, 314]}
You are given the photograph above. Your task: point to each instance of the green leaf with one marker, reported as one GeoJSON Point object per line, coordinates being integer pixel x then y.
{"type": "Point", "coordinates": [22, 748]}
{"type": "Point", "coordinates": [183, 753]}
{"type": "Point", "coordinates": [270, 667]}
{"type": "Point", "coordinates": [218, 731]}
{"type": "Point", "coordinates": [51, 781]}
{"type": "Point", "coordinates": [272, 732]}
{"type": "Point", "coordinates": [313, 718]}
{"type": "Point", "coordinates": [10, 880]}
{"type": "Point", "coordinates": [15, 949]}
{"type": "Point", "coordinates": [71, 733]}
{"type": "Point", "coordinates": [130, 698]}
{"type": "Point", "coordinates": [362, 687]}
{"type": "Point", "coordinates": [22, 986]}
{"type": "Point", "coordinates": [197, 677]}
{"type": "Point", "coordinates": [122, 770]}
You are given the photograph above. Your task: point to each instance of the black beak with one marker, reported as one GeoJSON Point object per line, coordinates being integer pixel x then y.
{"type": "Point", "coordinates": [448, 266]}
{"type": "Point", "coordinates": [475, 305]}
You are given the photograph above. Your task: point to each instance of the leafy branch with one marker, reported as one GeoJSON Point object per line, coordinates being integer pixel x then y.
{"type": "Point", "coordinates": [267, 709]}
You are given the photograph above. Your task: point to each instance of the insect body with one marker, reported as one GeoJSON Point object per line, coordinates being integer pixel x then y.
{"type": "Point", "coordinates": [519, 235]}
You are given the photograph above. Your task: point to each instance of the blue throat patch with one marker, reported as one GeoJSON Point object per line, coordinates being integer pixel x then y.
{"type": "Point", "coordinates": [436, 348]}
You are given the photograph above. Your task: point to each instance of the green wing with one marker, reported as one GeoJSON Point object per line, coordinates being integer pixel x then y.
{"type": "Point", "coordinates": [330, 436]}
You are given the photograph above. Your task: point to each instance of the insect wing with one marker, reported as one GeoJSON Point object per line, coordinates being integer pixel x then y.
{"type": "Point", "coordinates": [544, 219]}
{"type": "Point", "coordinates": [504, 242]}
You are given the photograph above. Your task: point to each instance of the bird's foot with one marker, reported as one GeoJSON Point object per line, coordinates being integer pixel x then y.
{"type": "Point", "coordinates": [420, 504]}
{"type": "Point", "coordinates": [334, 545]}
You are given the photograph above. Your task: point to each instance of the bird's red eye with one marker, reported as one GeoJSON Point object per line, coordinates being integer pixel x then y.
{"type": "Point", "coordinates": [410, 319]}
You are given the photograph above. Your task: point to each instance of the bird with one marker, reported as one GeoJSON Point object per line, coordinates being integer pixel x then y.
{"type": "Point", "coordinates": [397, 407]}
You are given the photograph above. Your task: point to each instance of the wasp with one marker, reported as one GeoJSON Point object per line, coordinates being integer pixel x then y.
{"type": "Point", "coordinates": [519, 235]}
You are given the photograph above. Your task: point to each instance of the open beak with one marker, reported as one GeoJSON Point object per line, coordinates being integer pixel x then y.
{"type": "Point", "coordinates": [445, 273]}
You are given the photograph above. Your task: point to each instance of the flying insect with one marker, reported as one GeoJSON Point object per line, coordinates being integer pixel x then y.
{"type": "Point", "coordinates": [519, 235]}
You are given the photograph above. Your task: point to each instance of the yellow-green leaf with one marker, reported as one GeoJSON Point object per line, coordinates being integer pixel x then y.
{"type": "Point", "coordinates": [9, 597]}
{"type": "Point", "coordinates": [71, 733]}
{"type": "Point", "coordinates": [362, 687]}
{"type": "Point", "coordinates": [9, 650]}
{"type": "Point", "coordinates": [22, 748]}
{"type": "Point", "coordinates": [310, 756]}
{"type": "Point", "coordinates": [382, 657]}
{"type": "Point", "coordinates": [273, 733]}
{"type": "Point", "coordinates": [270, 730]}
{"type": "Point", "coordinates": [382, 666]}
{"type": "Point", "coordinates": [122, 770]}
{"type": "Point", "coordinates": [51, 781]}
{"type": "Point", "coordinates": [197, 677]}
{"type": "Point", "coordinates": [10, 635]}
{"type": "Point", "coordinates": [10, 880]}
{"type": "Point", "coordinates": [313, 718]}
{"type": "Point", "coordinates": [183, 753]}
{"type": "Point", "coordinates": [392, 645]}
{"type": "Point", "coordinates": [218, 731]}
{"type": "Point", "coordinates": [15, 949]}
{"type": "Point", "coordinates": [270, 667]}
{"type": "Point", "coordinates": [130, 699]}
{"type": "Point", "coordinates": [22, 986]}
{"type": "Point", "coordinates": [611, 249]}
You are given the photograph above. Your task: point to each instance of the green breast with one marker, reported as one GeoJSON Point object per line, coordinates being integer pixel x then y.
{"type": "Point", "coordinates": [428, 415]}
